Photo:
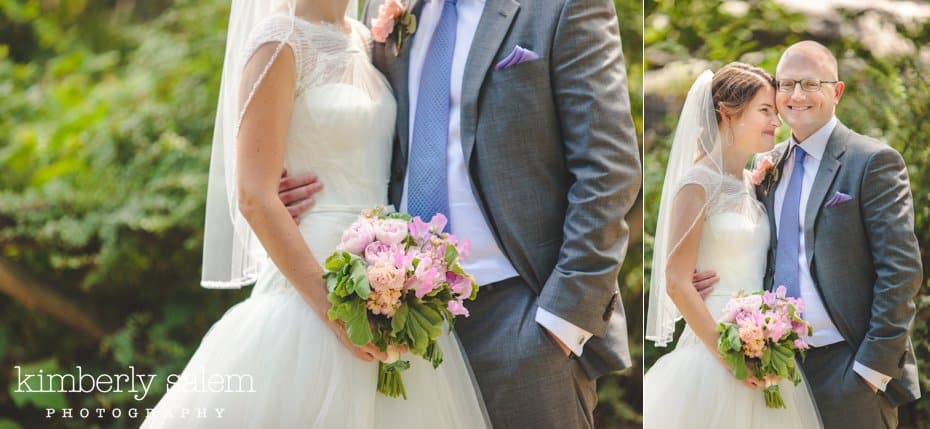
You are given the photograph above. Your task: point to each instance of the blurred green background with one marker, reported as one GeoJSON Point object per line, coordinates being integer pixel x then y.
{"type": "Point", "coordinates": [106, 118]}
{"type": "Point", "coordinates": [884, 59]}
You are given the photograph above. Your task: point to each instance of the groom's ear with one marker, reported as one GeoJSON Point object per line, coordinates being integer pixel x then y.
{"type": "Point", "coordinates": [838, 89]}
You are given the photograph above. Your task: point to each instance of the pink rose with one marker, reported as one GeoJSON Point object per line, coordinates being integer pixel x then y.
{"type": "Point", "coordinates": [359, 235]}
{"type": "Point", "coordinates": [764, 165]}
{"type": "Point", "coordinates": [384, 276]}
{"type": "Point", "coordinates": [391, 231]}
{"type": "Point", "coordinates": [381, 28]}
{"type": "Point", "coordinates": [383, 24]}
{"type": "Point", "coordinates": [456, 308]}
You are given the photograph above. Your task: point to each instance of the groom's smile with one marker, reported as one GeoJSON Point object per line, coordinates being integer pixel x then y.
{"type": "Point", "coordinates": [807, 106]}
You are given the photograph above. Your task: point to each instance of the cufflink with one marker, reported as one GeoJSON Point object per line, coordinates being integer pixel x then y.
{"type": "Point", "coordinates": [581, 340]}
{"type": "Point", "coordinates": [611, 306]}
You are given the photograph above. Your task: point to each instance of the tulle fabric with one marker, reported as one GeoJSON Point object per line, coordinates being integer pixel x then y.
{"type": "Point", "coordinates": [689, 387]}
{"type": "Point", "coordinates": [342, 129]}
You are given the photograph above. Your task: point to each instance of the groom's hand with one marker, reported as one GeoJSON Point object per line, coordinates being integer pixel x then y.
{"type": "Point", "coordinates": [296, 192]}
{"type": "Point", "coordinates": [704, 282]}
{"type": "Point", "coordinates": [567, 351]}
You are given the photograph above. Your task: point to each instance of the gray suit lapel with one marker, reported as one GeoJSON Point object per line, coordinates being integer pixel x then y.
{"type": "Point", "coordinates": [829, 167]}
{"type": "Point", "coordinates": [492, 28]}
{"type": "Point", "coordinates": [769, 198]}
{"type": "Point", "coordinates": [399, 70]}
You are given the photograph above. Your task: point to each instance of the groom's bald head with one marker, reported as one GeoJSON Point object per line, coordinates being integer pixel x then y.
{"type": "Point", "coordinates": [812, 56]}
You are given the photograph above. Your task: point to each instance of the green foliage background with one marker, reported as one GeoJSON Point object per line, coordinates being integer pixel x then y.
{"type": "Point", "coordinates": [886, 97]}
{"type": "Point", "coordinates": [106, 116]}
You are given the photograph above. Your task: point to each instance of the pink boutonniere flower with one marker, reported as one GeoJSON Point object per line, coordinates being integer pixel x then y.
{"type": "Point", "coordinates": [765, 175]}
{"type": "Point", "coordinates": [393, 20]}
{"type": "Point", "coordinates": [758, 174]}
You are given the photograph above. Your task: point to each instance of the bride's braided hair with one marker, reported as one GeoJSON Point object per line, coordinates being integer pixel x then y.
{"type": "Point", "coordinates": [735, 84]}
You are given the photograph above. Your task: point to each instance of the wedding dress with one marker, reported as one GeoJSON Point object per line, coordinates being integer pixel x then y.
{"type": "Point", "coordinates": [689, 387]}
{"type": "Point", "coordinates": [279, 365]}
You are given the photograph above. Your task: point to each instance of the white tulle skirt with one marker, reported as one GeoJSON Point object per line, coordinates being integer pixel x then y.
{"type": "Point", "coordinates": [270, 362]}
{"type": "Point", "coordinates": [689, 388]}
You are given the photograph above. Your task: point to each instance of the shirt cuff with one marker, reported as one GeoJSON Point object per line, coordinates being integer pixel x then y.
{"type": "Point", "coordinates": [571, 335]}
{"type": "Point", "coordinates": [877, 379]}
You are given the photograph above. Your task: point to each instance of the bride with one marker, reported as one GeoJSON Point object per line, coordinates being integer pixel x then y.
{"type": "Point", "coordinates": [299, 93]}
{"type": "Point", "coordinates": [710, 220]}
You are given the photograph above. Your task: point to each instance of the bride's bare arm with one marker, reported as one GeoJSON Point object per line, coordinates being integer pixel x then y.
{"type": "Point", "coordinates": [684, 239]}
{"type": "Point", "coordinates": [259, 162]}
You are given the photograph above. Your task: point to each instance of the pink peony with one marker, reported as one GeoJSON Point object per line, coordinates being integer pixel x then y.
{"type": "Point", "coordinates": [758, 174]}
{"type": "Point", "coordinates": [384, 276]}
{"type": "Point", "coordinates": [357, 237]}
{"type": "Point", "coordinates": [391, 231]}
{"type": "Point", "coordinates": [378, 251]}
{"type": "Point", "coordinates": [455, 307]}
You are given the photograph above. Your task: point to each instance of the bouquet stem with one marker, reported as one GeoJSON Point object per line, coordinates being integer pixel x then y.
{"type": "Point", "coordinates": [390, 382]}
{"type": "Point", "coordinates": [773, 397]}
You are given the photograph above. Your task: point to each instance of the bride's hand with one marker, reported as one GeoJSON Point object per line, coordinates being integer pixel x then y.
{"type": "Point", "coordinates": [367, 353]}
{"type": "Point", "coordinates": [750, 381]}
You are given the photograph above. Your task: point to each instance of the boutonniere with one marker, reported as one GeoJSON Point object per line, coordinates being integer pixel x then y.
{"type": "Point", "coordinates": [393, 20]}
{"type": "Point", "coordinates": [765, 174]}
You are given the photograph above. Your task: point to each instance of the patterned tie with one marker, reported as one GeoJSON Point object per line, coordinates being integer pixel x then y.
{"type": "Point", "coordinates": [428, 189]}
{"type": "Point", "coordinates": [789, 230]}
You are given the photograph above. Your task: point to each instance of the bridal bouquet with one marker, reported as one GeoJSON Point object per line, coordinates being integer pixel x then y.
{"type": "Point", "coordinates": [759, 335]}
{"type": "Point", "coordinates": [394, 282]}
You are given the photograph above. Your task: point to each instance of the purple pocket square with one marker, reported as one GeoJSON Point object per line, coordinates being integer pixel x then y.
{"type": "Point", "coordinates": [519, 55]}
{"type": "Point", "coordinates": [837, 199]}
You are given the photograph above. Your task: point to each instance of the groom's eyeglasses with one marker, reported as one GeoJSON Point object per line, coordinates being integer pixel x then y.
{"type": "Point", "coordinates": [809, 85]}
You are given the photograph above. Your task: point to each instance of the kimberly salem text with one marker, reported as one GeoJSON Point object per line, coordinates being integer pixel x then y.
{"type": "Point", "coordinates": [139, 384]}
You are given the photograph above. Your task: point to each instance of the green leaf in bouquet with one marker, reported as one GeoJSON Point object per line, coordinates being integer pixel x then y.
{"type": "Point", "coordinates": [452, 253]}
{"type": "Point", "coordinates": [396, 215]}
{"type": "Point", "coordinates": [429, 313]}
{"type": "Point", "coordinates": [399, 321]}
{"type": "Point", "coordinates": [355, 316]}
{"type": "Point", "coordinates": [417, 335]}
{"type": "Point", "coordinates": [767, 357]}
{"type": "Point", "coordinates": [332, 279]}
{"type": "Point", "coordinates": [358, 283]}
{"type": "Point", "coordinates": [337, 260]}
{"type": "Point", "coordinates": [738, 363]}
{"type": "Point", "coordinates": [434, 354]}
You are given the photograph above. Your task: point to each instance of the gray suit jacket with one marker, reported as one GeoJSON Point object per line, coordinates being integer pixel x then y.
{"type": "Point", "coordinates": [551, 151]}
{"type": "Point", "coordinates": [863, 254]}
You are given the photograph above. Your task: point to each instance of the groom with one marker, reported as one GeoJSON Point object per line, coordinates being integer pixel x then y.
{"type": "Point", "coordinates": [842, 234]}
{"type": "Point", "coordinates": [514, 121]}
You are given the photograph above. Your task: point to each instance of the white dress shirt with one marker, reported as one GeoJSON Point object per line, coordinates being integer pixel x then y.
{"type": "Point", "coordinates": [486, 262]}
{"type": "Point", "coordinates": [825, 332]}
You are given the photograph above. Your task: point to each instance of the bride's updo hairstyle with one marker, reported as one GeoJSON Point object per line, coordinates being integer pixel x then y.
{"type": "Point", "coordinates": [735, 85]}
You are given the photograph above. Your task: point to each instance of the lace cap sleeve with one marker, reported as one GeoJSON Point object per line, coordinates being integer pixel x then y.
{"type": "Point", "coordinates": [703, 176]}
{"type": "Point", "coordinates": [275, 29]}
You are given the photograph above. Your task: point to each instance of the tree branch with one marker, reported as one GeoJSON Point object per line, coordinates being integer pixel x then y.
{"type": "Point", "coordinates": [32, 294]}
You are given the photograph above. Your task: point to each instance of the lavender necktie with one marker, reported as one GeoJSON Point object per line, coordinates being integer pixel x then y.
{"type": "Point", "coordinates": [428, 188]}
{"type": "Point", "coordinates": [789, 230]}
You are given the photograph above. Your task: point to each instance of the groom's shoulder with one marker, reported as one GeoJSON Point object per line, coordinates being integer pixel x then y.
{"type": "Point", "coordinates": [862, 144]}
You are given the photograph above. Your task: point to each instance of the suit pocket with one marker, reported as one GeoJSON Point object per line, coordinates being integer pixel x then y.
{"type": "Point", "coordinates": [530, 71]}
